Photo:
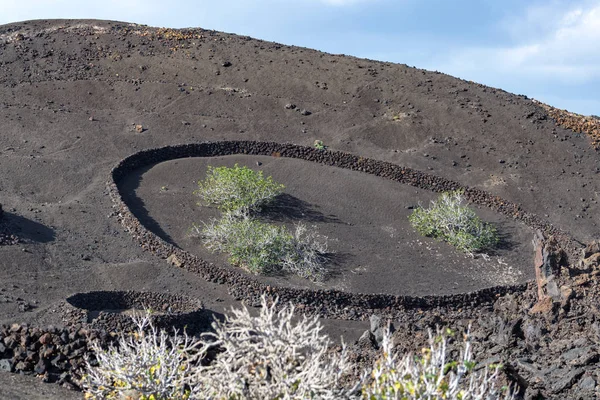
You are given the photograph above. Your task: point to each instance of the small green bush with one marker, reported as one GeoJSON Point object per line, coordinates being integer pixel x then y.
{"type": "Point", "coordinates": [447, 219]}
{"type": "Point", "coordinates": [319, 145]}
{"type": "Point", "coordinates": [237, 189]}
{"type": "Point", "coordinates": [263, 248]}
{"type": "Point", "coordinates": [256, 246]}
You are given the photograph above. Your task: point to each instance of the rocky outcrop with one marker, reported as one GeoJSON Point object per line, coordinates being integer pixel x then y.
{"type": "Point", "coordinates": [576, 122]}
{"type": "Point", "coordinates": [548, 261]}
{"type": "Point", "coordinates": [53, 354]}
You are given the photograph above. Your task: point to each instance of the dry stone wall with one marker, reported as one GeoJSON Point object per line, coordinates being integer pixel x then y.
{"type": "Point", "coordinates": [327, 303]}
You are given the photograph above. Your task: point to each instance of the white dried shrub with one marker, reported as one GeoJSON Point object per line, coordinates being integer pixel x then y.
{"type": "Point", "coordinates": [308, 254]}
{"type": "Point", "coordinates": [431, 375]}
{"type": "Point", "coordinates": [271, 357]}
{"type": "Point", "coordinates": [145, 365]}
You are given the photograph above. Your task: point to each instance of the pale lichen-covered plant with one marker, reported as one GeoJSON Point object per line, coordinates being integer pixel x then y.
{"type": "Point", "coordinates": [237, 189]}
{"type": "Point", "coordinates": [431, 375]}
{"type": "Point", "coordinates": [308, 253]}
{"type": "Point", "coordinates": [145, 365]}
{"type": "Point", "coordinates": [449, 220]}
{"type": "Point", "coordinates": [251, 244]}
{"type": "Point", "coordinates": [270, 357]}
{"type": "Point", "coordinates": [262, 248]}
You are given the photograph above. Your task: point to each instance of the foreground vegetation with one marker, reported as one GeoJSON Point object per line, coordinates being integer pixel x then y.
{"type": "Point", "coordinates": [276, 356]}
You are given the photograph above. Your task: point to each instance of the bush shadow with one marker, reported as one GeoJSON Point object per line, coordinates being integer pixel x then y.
{"type": "Point", "coordinates": [337, 264]}
{"type": "Point", "coordinates": [202, 323]}
{"type": "Point", "coordinates": [288, 208]}
{"type": "Point", "coordinates": [505, 233]}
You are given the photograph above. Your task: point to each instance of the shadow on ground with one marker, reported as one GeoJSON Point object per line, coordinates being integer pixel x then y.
{"type": "Point", "coordinates": [139, 209]}
{"type": "Point", "coordinates": [25, 229]}
{"type": "Point", "coordinates": [288, 208]}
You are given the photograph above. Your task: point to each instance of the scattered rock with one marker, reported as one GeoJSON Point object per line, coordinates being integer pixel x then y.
{"type": "Point", "coordinates": [544, 306]}
{"type": "Point", "coordinates": [576, 122]}
{"type": "Point", "coordinates": [566, 379]}
{"type": "Point", "coordinates": [377, 328]}
{"type": "Point", "coordinates": [6, 365]}
{"type": "Point", "coordinates": [591, 249]}
{"type": "Point", "coordinates": [173, 260]}
{"type": "Point", "coordinates": [367, 341]}
{"type": "Point", "coordinates": [587, 383]}
{"type": "Point", "coordinates": [548, 257]}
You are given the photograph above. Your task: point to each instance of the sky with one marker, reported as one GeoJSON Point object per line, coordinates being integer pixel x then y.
{"type": "Point", "coordinates": [548, 50]}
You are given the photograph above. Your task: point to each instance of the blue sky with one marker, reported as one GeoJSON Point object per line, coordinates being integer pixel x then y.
{"type": "Point", "coordinates": [548, 50]}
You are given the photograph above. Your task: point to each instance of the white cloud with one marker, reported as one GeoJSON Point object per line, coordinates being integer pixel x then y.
{"type": "Point", "coordinates": [555, 43]}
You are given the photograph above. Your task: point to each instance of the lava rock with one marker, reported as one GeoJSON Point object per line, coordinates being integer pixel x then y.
{"type": "Point", "coordinates": [566, 379]}
{"type": "Point", "coordinates": [587, 383]}
{"type": "Point", "coordinates": [6, 365]}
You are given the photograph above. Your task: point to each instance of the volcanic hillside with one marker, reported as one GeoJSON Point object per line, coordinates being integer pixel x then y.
{"type": "Point", "coordinates": [78, 97]}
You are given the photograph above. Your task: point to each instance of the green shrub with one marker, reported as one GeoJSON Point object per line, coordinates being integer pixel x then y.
{"type": "Point", "coordinates": [447, 219]}
{"type": "Point", "coordinates": [319, 145]}
{"type": "Point", "coordinates": [256, 246]}
{"type": "Point", "coordinates": [262, 248]}
{"type": "Point", "coordinates": [237, 189]}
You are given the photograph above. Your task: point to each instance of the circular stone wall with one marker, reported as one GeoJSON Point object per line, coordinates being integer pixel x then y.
{"type": "Point", "coordinates": [365, 216]}
{"type": "Point", "coordinates": [327, 302]}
